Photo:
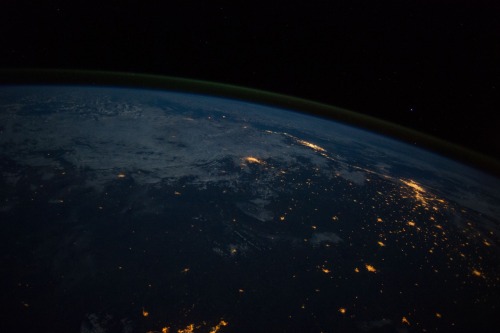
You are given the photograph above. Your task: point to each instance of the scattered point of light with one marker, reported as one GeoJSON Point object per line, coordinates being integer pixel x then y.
{"type": "Point", "coordinates": [145, 313]}
{"type": "Point", "coordinates": [342, 310]}
{"type": "Point", "coordinates": [251, 159]}
{"type": "Point", "coordinates": [311, 145]}
{"type": "Point", "coordinates": [418, 190]}
{"type": "Point", "coordinates": [405, 321]}
{"type": "Point", "coordinates": [189, 329]}
{"type": "Point", "coordinates": [476, 272]}
{"type": "Point", "coordinates": [413, 184]}
{"type": "Point", "coordinates": [217, 327]}
{"type": "Point", "coordinates": [370, 268]}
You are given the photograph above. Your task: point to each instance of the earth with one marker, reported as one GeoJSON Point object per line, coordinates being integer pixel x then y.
{"type": "Point", "coordinates": [134, 210]}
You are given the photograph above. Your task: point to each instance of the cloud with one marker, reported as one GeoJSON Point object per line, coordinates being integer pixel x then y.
{"type": "Point", "coordinates": [325, 237]}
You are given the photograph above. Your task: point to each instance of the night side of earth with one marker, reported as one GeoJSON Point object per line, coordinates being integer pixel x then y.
{"type": "Point", "coordinates": [132, 210]}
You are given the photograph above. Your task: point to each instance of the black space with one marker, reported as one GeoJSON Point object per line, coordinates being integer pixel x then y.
{"type": "Point", "coordinates": [430, 65]}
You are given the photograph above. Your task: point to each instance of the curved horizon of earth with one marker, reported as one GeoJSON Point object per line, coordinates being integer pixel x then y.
{"type": "Point", "coordinates": [127, 210]}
